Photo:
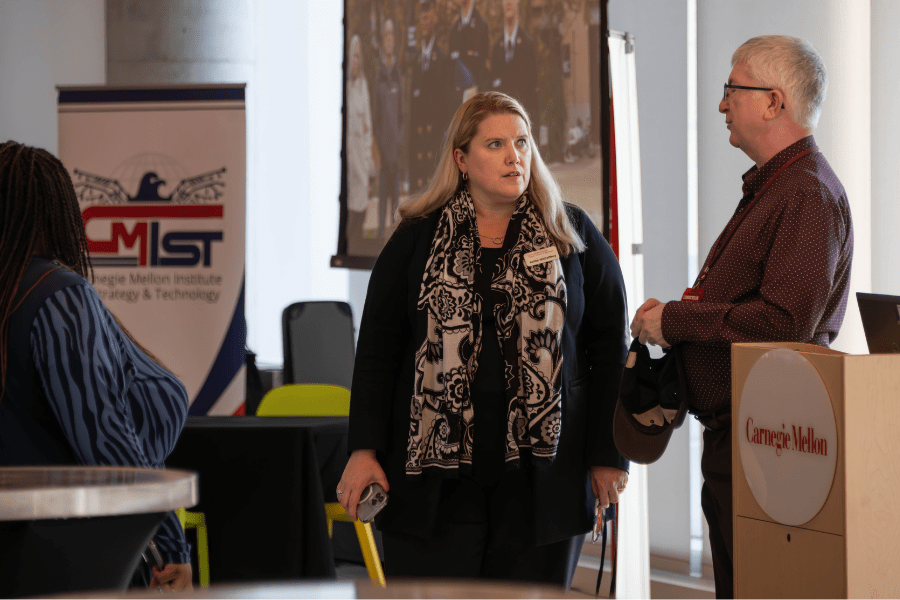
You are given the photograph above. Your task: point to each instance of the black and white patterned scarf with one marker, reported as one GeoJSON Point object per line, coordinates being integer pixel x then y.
{"type": "Point", "coordinates": [529, 304]}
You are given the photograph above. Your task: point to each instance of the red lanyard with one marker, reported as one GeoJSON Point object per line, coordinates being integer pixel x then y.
{"type": "Point", "coordinates": [719, 248]}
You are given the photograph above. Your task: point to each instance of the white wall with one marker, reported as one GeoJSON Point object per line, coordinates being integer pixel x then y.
{"type": "Point", "coordinates": [660, 30]}
{"type": "Point", "coordinates": [295, 210]}
{"type": "Point", "coordinates": [179, 41]}
{"type": "Point", "coordinates": [45, 43]}
{"type": "Point", "coordinates": [885, 149]}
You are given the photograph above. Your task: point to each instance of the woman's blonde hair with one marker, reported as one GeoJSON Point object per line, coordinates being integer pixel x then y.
{"type": "Point", "coordinates": [447, 180]}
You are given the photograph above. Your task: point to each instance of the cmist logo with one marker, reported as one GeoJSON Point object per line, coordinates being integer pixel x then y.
{"type": "Point", "coordinates": [141, 229]}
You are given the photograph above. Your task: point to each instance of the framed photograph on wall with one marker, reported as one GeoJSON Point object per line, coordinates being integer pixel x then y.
{"type": "Point", "coordinates": [409, 64]}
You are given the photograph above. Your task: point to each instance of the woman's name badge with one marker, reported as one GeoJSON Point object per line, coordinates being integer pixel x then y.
{"type": "Point", "coordinates": [541, 256]}
{"type": "Point", "coordinates": [692, 295]}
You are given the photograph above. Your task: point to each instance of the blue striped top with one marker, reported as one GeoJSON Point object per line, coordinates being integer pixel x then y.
{"type": "Point", "coordinates": [116, 406]}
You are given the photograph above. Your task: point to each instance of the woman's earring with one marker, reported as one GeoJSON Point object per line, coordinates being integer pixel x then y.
{"type": "Point", "coordinates": [465, 176]}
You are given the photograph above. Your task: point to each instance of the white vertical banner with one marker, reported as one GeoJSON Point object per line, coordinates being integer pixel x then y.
{"type": "Point", "coordinates": [633, 557]}
{"type": "Point", "coordinates": [623, 81]}
{"type": "Point", "coordinates": [160, 176]}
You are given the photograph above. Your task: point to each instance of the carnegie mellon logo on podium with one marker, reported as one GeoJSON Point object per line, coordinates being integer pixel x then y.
{"type": "Point", "coordinates": [796, 439]}
{"type": "Point", "coordinates": [786, 435]}
{"type": "Point", "coordinates": [131, 217]}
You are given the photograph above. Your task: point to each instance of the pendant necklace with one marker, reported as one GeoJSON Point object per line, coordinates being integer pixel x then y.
{"type": "Point", "coordinates": [497, 240]}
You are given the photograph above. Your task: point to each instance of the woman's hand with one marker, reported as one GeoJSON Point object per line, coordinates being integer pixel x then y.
{"type": "Point", "coordinates": [174, 577]}
{"type": "Point", "coordinates": [608, 483]}
{"type": "Point", "coordinates": [361, 470]}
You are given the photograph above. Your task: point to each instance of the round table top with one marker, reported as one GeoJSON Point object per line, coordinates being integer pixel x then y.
{"type": "Point", "coordinates": [57, 492]}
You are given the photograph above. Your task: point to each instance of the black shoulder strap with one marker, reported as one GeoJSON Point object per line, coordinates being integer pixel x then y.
{"type": "Point", "coordinates": [42, 279]}
{"type": "Point", "coordinates": [29, 432]}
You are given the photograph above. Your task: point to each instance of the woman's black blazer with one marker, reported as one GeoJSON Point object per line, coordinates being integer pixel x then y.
{"type": "Point", "coordinates": [594, 349]}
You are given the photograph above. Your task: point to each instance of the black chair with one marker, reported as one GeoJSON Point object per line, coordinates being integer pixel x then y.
{"type": "Point", "coordinates": [319, 347]}
{"type": "Point", "coordinates": [319, 343]}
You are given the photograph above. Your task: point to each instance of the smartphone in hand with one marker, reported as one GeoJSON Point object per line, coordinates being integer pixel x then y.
{"type": "Point", "coordinates": [157, 557]}
{"type": "Point", "coordinates": [373, 499]}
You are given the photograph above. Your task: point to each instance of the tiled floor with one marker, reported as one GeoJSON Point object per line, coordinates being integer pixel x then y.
{"type": "Point", "coordinates": [662, 584]}
{"type": "Point", "coordinates": [668, 578]}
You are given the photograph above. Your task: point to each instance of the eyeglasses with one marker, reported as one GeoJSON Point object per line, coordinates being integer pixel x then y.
{"type": "Point", "coordinates": [745, 87]}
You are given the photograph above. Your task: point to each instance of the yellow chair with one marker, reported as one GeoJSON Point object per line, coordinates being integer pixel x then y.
{"type": "Point", "coordinates": [198, 521]}
{"type": "Point", "coordinates": [321, 400]}
{"type": "Point", "coordinates": [305, 400]}
{"type": "Point", "coordinates": [335, 512]}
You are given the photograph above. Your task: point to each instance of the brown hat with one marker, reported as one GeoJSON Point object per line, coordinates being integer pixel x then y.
{"type": "Point", "coordinates": [652, 403]}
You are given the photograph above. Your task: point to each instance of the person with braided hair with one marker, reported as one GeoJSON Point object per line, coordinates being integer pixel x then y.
{"type": "Point", "coordinates": [75, 388]}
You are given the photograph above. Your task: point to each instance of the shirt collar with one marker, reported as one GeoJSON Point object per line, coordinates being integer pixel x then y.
{"type": "Point", "coordinates": [426, 48]}
{"type": "Point", "coordinates": [755, 178]}
{"type": "Point", "coordinates": [510, 38]}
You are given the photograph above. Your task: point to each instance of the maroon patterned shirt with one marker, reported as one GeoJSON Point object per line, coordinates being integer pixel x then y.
{"type": "Point", "coordinates": [783, 276]}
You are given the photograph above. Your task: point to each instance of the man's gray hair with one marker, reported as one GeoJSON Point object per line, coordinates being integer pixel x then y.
{"type": "Point", "coordinates": [791, 65]}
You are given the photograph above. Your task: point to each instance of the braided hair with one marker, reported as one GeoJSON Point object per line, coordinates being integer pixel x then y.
{"type": "Point", "coordinates": [39, 214]}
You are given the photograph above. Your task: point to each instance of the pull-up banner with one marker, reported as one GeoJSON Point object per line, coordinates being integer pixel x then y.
{"type": "Point", "coordinates": [160, 176]}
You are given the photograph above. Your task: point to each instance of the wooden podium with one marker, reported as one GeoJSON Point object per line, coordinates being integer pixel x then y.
{"type": "Point", "coordinates": [850, 547]}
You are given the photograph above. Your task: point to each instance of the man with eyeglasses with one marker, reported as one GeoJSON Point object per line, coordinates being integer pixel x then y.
{"type": "Point", "coordinates": [781, 267]}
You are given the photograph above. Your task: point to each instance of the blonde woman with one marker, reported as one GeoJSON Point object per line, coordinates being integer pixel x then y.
{"type": "Point", "coordinates": [493, 304]}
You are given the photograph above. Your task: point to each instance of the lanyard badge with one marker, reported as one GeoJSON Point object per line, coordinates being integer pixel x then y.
{"type": "Point", "coordinates": [692, 294]}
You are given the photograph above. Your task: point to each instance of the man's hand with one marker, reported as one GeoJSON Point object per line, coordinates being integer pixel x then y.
{"type": "Point", "coordinates": [647, 323]}
{"type": "Point", "coordinates": [607, 483]}
{"type": "Point", "coordinates": [174, 577]}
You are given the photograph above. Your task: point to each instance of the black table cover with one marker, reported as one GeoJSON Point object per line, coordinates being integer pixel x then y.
{"type": "Point", "coordinates": [66, 529]}
{"type": "Point", "coordinates": [262, 493]}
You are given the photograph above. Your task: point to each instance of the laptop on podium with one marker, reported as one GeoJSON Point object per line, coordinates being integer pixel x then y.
{"type": "Point", "coordinates": [881, 322]}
